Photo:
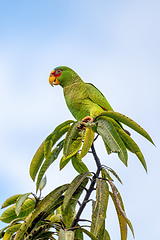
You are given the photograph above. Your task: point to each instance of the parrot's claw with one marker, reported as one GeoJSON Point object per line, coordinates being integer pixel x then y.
{"type": "Point", "coordinates": [87, 119]}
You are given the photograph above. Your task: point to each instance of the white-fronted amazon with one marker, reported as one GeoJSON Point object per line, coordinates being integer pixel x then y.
{"type": "Point", "coordinates": [84, 100]}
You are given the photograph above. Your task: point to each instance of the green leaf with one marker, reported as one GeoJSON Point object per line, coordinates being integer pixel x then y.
{"type": "Point", "coordinates": [88, 140]}
{"type": "Point", "coordinates": [45, 235]}
{"type": "Point", "coordinates": [43, 183]}
{"type": "Point", "coordinates": [37, 161]}
{"type": "Point", "coordinates": [54, 206]}
{"type": "Point", "coordinates": [105, 174]}
{"type": "Point", "coordinates": [10, 200]}
{"type": "Point", "coordinates": [50, 200]}
{"type": "Point", "coordinates": [70, 137]}
{"type": "Point", "coordinates": [123, 220]}
{"type": "Point", "coordinates": [2, 231]}
{"type": "Point", "coordinates": [106, 131]}
{"type": "Point", "coordinates": [113, 172]}
{"type": "Point", "coordinates": [73, 149]}
{"type": "Point", "coordinates": [50, 159]}
{"type": "Point", "coordinates": [58, 132]}
{"type": "Point", "coordinates": [69, 212]}
{"type": "Point", "coordinates": [133, 146]}
{"type": "Point", "coordinates": [109, 134]}
{"type": "Point", "coordinates": [91, 235]}
{"type": "Point", "coordinates": [73, 187]}
{"type": "Point", "coordinates": [10, 231]}
{"type": "Point", "coordinates": [42, 207]}
{"type": "Point", "coordinates": [127, 121]}
{"type": "Point", "coordinates": [107, 148]}
{"type": "Point", "coordinates": [106, 235]}
{"type": "Point", "coordinates": [12, 223]}
{"type": "Point", "coordinates": [56, 218]}
{"type": "Point", "coordinates": [20, 202]}
{"type": "Point", "coordinates": [9, 214]}
{"type": "Point", "coordinates": [100, 233]}
{"type": "Point", "coordinates": [46, 146]}
{"type": "Point", "coordinates": [78, 234]}
{"type": "Point", "coordinates": [78, 165]}
{"type": "Point", "coordinates": [93, 205]}
{"type": "Point", "coordinates": [63, 162]}
{"type": "Point", "coordinates": [99, 214]}
{"type": "Point", "coordinates": [36, 233]}
{"type": "Point", "coordinates": [66, 235]}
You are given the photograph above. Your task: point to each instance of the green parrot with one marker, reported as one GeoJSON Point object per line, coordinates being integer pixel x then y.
{"type": "Point", "coordinates": [84, 100]}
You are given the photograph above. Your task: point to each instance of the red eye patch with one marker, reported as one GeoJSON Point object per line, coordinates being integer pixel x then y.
{"type": "Point", "coordinates": [57, 73]}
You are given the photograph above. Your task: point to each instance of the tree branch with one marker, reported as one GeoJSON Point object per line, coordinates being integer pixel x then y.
{"type": "Point", "coordinates": [90, 189]}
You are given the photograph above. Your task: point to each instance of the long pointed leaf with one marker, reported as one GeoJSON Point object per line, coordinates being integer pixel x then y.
{"type": "Point", "coordinates": [99, 214]}
{"type": "Point", "coordinates": [122, 222]}
{"type": "Point", "coordinates": [88, 140]}
{"type": "Point", "coordinates": [2, 231]}
{"type": "Point", "coordinates": [69, 212]}
{"type": "Point", "coordinates": [129, 122]}
{"type": "Point", "coordinates": [63, 162]}
{"type": "Point", "coordinates": [109, 134]}
{"type": "Point", "coordinates": [109, 151]}
{"type": "Point", "coordinates": [20, 202]}
{"type": "Point", "coordinates": [46, 146]}
{"type": "Point", "coordinates": [91, 235]}
{"type": "Point", "coordinates": [50, 159]}
{"type": "Point", "coordinates": [133, 146]}
{"type": "Point", "coordinates": [37, 161]}
{"type": "Point", "coordinates": [105, 174]}
{"type": "Point", "coordinates": [55, 218]}
{"type": "Point", "coordinates": [78, 165]}
{"type": "Point", "coordinates": [73, 149]}
{"type": "Point", "coordinates": [73, 187]}
{"type": "Point", "coordinates": [10, 231]}
{"type": "Point", "coordinates": [58, 132]}
{"type": "Point", "coordinates": [53, 207]}
{"type": "Point", "coordinates": [106, 235]}
{"type": "Point", "coordinates": [70, 137]}
{"type": "Point", "coordinates": [43, 183]}
{"type": "Point", "coordinates": [78, 234]}
{"type": "Point", "coordinates": [10, 200]}
{"type": "Point", "coordinates": [113, 172]}
{"type": "Point", "coordinates": [116, 197]}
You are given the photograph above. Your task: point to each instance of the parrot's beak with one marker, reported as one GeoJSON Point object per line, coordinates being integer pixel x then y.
{"type": "Point", "coordinates": [53, 80]}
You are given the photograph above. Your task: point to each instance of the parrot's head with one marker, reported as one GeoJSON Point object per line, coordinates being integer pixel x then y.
{"type": "Point", "coordinates": [62, 76]}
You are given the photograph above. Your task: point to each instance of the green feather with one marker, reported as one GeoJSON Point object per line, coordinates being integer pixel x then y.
{"type": "Point", "coordinates": [97, 97]}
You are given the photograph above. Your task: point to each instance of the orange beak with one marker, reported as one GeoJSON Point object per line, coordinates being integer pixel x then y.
{"type": "Point", "coordinates": [53, 80]}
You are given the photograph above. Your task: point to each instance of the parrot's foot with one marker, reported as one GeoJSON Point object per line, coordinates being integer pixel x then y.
{"type": "Point", "coordinates": [87, 119]}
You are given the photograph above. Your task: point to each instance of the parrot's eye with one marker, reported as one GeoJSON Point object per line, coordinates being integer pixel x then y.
{"type": "Point", "coordinates": [58, 71]}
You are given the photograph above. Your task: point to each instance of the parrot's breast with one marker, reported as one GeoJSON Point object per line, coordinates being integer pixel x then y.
{"type": "Point", "coordinates": [79, 103]}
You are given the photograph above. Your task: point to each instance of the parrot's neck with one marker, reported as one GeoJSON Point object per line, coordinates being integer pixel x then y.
{"type": "Point", "coordinates": [74, 86]}
{"type": "Point", "coordinates": [71, 79]}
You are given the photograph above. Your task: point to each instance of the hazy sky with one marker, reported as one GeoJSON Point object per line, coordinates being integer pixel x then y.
{"type": "Point", "coordinates": [113, 44]}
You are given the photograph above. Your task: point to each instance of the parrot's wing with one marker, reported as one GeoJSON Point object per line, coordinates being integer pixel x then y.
{"type": "Point", "coordinates": [97, 97]}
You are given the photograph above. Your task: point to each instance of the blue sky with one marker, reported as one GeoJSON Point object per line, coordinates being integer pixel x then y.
{"type": "Point", "coordinates": [114, 45]}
